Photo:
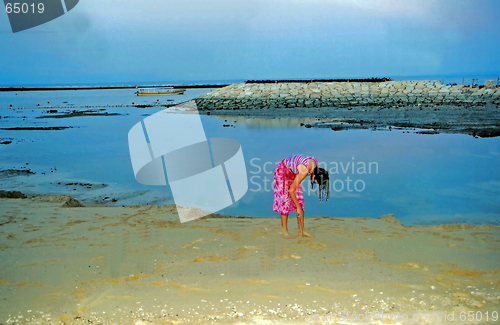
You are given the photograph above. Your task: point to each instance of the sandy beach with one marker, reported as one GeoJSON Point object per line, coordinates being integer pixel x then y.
{"type": "Point", "coordinates": [140, 265]}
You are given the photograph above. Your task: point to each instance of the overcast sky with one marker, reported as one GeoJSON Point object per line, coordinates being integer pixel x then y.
{"type": "Point", "coordinates": [134, 41]}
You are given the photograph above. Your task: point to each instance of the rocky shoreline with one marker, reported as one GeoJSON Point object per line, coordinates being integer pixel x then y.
{"type": "Point", "coordinates": [350, 105]}
{"type": "Point", "coordinates": [346, 94]}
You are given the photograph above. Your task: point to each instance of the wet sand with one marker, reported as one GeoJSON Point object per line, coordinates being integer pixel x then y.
{"type": "Point", "coordinates": [477, 121]}
{"type": "Point", "coordinates": [62, 264]}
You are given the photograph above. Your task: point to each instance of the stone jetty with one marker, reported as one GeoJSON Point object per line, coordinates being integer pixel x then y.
{"type": "Point", "coordinates": [346, 94]}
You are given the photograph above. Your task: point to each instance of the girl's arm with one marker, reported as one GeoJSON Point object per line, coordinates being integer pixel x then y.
{"type": "Point", "coordinates": [296, 183]}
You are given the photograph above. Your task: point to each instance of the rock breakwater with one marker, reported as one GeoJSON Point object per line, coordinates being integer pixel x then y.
{"type": "Point", "coordinates": [345, 94]}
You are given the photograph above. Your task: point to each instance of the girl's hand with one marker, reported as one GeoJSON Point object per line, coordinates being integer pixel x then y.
{"type": "Point", "coordinates": [300, 212]}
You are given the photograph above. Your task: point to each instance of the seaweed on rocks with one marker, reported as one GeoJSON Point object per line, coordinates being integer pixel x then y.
{"type": "Point", "coordinates": [317, 80]}
{"type": "Point", "coordinates": [15, 172]}
{"type": "Point", "coordinates": [12, 195]}
{"type": "Point", "coordinates": [37, 128]}
{"type": "Point", "coordinates": [76, 113]}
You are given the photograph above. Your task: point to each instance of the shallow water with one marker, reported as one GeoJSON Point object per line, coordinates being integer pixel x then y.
{"type": "Point", "coordinates": [422, 179]}
{"type": "Point", "coordinates": [105, 97]}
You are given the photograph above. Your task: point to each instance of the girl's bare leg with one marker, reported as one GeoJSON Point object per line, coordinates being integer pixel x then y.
{"type": "Point", "coordinates": [302, 232]}
{"type": "Point", "coordinates": [284, 226]}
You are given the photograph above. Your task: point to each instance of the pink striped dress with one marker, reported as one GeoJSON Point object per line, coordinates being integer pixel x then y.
{"type": "Point", "coordinates": [284, 176]}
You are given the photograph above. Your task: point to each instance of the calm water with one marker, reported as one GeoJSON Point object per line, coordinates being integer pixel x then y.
{"type": "Point", "coordinates": [422, 179]}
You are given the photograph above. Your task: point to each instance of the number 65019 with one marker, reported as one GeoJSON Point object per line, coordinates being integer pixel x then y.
{"type": "Point", "coordinates": [23, 8]}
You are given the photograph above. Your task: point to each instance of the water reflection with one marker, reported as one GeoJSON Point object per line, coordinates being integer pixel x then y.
{"type": "Point", "coordinates": [420, 178]}
{"type": "Point", "coordinates": [267, 122]}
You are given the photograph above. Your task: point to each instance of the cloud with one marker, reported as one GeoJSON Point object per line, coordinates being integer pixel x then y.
{"type": "Point", "coordinates": [174, 16]}
{"type": "Point", "coordinates": [229, 39]}
{"type": "Point", "coordinates": [391, 8]}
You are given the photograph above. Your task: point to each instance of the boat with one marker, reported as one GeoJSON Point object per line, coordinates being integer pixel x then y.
{"type": "Point", "coordinates": [160, 91]}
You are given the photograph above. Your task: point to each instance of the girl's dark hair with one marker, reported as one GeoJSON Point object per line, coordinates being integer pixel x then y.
{"type": "Point", "coordinates": [323, 181]}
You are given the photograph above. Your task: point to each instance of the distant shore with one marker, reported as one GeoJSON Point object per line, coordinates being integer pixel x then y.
{"type": "Point", "coordinates": [19, 89]}
{"type": "Point", "coordinates": [185, 86]}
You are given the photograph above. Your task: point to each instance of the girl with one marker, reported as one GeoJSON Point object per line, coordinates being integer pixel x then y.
{"type": "Point", "coordinates": [288, 195]}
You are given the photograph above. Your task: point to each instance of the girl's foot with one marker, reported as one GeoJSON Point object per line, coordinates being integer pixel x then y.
{"type": "Point", "coordinates": [306, 234]}
{"type": "Point", "coordinates": [287, 236]}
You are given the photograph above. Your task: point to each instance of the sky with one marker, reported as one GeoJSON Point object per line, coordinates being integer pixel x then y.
{"type": "Point", "coordinates": [162, 41]}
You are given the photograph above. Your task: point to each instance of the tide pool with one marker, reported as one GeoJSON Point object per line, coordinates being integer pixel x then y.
{"type": "Point", "coordinates": [422, 179]}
